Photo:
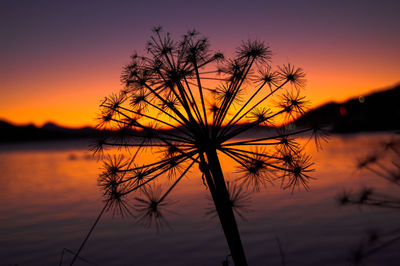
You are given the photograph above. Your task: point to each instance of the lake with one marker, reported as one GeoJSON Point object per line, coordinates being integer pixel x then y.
{"type": "Point", "coordinates": [49, 199]}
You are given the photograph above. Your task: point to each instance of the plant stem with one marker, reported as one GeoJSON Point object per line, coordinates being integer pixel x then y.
{"type": "Point", "coordinates": [224, 208]}
{"type": "Point", "coordinates": [90, 232]}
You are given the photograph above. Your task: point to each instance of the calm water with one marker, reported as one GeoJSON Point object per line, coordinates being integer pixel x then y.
{"type": "Point", "coordinates": [49, 199]}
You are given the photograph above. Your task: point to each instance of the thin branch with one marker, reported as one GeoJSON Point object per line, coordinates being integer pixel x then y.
{"type": "Point", "coordinates": [90, 232]}
{"type": "Point", "coordinates": [176, 182]}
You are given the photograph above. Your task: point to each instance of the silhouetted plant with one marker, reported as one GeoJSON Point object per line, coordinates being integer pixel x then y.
{"type": "Point", "coordinates": [192, 105]}
{"type": "Point", "coordinates": [384, 163]}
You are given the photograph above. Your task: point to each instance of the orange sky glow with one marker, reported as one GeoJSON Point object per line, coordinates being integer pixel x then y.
{"type": "Point", "coordinates": [56, 70]}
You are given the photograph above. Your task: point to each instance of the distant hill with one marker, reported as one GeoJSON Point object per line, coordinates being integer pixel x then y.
{"type": "Point", "coordinates": [375, 112]}
{"type": "Point", "coordinates": [49, 131]}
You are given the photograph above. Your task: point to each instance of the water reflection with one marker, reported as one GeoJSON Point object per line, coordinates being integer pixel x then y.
{"type": "Point", "coordinates": [50, 199]}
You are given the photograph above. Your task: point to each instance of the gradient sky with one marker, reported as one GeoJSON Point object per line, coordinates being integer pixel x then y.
{"type": "Point", "coordinates": [58, 59]}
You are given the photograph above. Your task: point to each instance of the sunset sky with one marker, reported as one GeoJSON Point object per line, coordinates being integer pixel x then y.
{"type": "Point", "coordinates": [58, 59]}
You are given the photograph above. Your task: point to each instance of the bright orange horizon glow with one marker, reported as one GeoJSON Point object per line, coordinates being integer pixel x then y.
{"type": "Point", "coordinates": [76, 102]}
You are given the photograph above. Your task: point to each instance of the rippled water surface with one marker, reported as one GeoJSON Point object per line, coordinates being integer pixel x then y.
{"type": "Point", "coordinates": [49, 199]}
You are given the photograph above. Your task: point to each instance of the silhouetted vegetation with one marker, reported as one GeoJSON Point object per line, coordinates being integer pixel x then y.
{"type": "Point", "coordinates": [191, 105]}
{"type": "Point", "coordinates": [384, 163]}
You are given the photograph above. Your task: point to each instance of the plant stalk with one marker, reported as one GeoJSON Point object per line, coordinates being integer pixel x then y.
{"type": "Point", "coordinates": [224, 209]}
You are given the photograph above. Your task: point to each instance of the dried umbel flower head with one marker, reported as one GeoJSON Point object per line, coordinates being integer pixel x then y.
{"type": "Point", "coordinates": [150, 206]}
{"type": "Point", "coordinates": [193, 105]}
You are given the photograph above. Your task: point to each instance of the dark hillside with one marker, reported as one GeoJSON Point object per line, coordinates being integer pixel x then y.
{"type": "Point", "coordinates": [375, 112]}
